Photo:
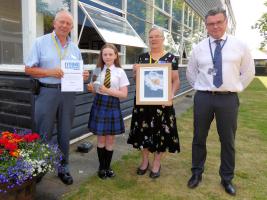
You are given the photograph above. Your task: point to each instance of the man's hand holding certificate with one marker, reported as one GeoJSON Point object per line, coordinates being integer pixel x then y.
{"type": "Point", "coordinates": [73, 76]}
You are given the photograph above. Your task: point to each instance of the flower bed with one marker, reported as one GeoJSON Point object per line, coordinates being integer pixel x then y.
{"type": "Point", "coordinates": [23, 156]}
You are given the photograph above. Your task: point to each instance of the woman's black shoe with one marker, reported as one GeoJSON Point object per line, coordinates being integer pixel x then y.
{"type": "Point", "coordinates": [110, 173]}
{"type": "Point", "coordinates": [102, 174]}
{"type": "Point", "coordinates": [140, 171]}
{"type": "Point", "coordinates": [155, 174]}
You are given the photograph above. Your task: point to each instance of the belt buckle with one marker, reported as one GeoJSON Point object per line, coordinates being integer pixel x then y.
{"type": "Point", "coordinates": [213, 92]}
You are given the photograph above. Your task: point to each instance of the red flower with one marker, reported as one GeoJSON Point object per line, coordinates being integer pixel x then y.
{"type": "Point", "coordinates": [11, 146]}
{"type": "Point", "coordinates": [3, 141]}
{"type": "Point", "coordinates": [31, 137]}
{"type": "Point", "coordinates": [17, 137]}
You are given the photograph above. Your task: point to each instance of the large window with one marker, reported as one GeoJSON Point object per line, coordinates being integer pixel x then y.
{"type": "Point", "coordinates": [46, 10]}
{"type": "Point", "coordinates": [10, 32]}
{"type": "Point", "coordinates": [139, 15]}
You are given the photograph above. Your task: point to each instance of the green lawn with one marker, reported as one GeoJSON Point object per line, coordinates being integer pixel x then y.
{"type": "Point", "coordinates": [251, 162]}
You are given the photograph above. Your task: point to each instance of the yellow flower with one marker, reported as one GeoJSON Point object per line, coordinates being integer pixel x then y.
{"type": "Point", "coordinates": [15, 153]}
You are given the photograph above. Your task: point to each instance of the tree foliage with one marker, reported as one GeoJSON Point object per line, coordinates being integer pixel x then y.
{"type": "Point", "coordinates": [261, 25]}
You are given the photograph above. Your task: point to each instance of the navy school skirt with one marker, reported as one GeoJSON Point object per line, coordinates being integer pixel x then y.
{"type": "Point", "coordinates": [105, 116]}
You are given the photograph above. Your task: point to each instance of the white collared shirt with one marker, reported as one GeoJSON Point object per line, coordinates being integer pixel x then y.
{"type": "Point", "coordinates": [238, 67]}
{"type": "Point", "coordinates": [118, 77]}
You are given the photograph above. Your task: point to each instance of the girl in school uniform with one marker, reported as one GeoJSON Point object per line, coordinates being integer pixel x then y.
{"type": "Point", "coordinates": [105, 121]}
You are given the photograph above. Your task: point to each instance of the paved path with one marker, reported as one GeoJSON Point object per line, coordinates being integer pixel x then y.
{"type": "Point", "coordinates": [84, 165]}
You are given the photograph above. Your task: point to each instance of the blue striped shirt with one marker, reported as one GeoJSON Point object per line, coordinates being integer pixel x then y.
{"type": "Point", "coordinates": [44, 54]}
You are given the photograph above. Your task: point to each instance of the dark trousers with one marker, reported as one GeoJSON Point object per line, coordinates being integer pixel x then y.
{"type": "Point", "coordinates": [53, 105]}
{"type": "Point", "coordinates": [224, 107]}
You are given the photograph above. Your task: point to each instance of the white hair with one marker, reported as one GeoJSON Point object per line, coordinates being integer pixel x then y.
{"type": "Point", "coordinates": [154, 28]}
{"type": "Point", "coordinates": [61, 12]}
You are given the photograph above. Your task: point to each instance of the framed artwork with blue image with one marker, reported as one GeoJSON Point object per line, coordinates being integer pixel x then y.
{"type": "Point", "coordinates": [153, 84]}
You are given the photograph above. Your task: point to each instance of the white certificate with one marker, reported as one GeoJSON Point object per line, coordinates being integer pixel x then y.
{"type": "Point", "coordinates": [73, 76]}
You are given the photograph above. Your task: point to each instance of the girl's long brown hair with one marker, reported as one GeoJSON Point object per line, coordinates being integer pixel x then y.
{"type": "Point", "coordinates": [100, 62]}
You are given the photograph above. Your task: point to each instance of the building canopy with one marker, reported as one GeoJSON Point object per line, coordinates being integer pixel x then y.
{"type": "Point", "coordinates": [112, 28]}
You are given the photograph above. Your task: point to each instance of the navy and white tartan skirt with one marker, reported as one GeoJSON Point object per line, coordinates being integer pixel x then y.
{"type": "Point", "coordinates": [105, 116]}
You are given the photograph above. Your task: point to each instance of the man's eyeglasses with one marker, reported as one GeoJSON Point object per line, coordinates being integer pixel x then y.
{"type": "Point", "coordinates": [218, 23]}
{"type": "Point", "coordinates": [155, 37]}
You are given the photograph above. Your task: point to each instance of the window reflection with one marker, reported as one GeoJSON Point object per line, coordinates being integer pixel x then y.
{"type": "Point", "coordinates": [11, 32]}
{"type": "Point", "coordinates": [177, 12]}
{"type": "Point", "coordinates": [137, 8]}
{"type": "Point", "coordinates": [132, 54]}
{"type": "Point", "coordinates": [177, 38]}
{"type": "Point", "coordinates": [176, 27]}
{"type": "Point", "coordinates": [196, 24]}
{"type": "Point", "coordinates": [46, 11]}
{"type": "Point", "coordinates": [159, 3]}
{"type": "Point", "coordinates": [187, 32]}
{"type": "Point", "coordinates": [115, 3]}
{"type": "Point", "coordinates": [161, 19]}
{"type": "Point", "coordinates": [167, 6]}
{"type": "Point", "coordinates": [188, 46]}
{"type": "Point", "coordinates": [170, 45]}
{"type": "Point", "coordinates": [140, 16]}
{"type": "Point", "coordinates": [164, 5]}
{"type": "Point", "coordinates": [89, 58]}
{"type": "Point", "coordinates": [139, 26]}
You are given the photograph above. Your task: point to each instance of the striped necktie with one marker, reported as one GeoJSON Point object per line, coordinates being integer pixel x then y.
{"type": "Point", "coordinates": [107, 78]}
{"type": "Point", "coordinates": [217, 79]}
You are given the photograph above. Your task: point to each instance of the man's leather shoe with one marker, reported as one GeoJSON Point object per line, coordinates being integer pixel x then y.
{"type": "Point", "coordinates": [110, 173]}
{"type": "Point", "coordinates": [66, 178]}
{"type": "Point", "coordinates": [228, 187]}
{"type": "Point", "coordinates": [194, 181]}
{"type": "Point", "coordinates": [140, 171]}
{"type": "Point", "coordinates": [155, 174]}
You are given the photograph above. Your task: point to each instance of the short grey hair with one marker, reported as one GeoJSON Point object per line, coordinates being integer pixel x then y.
{"type": "Point", "coordinates": [154, 28]}
{"type": "Point", "coordinates": [63, 11]}
{"type": "Point", "coordinates": [215, 11]}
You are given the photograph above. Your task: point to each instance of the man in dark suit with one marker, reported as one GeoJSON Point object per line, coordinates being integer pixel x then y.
{"type": "Point", "coordinates": [219, 67]}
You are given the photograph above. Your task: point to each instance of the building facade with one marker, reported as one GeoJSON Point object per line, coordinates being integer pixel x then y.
{"type": "Point", "coordinates": [122, 22]}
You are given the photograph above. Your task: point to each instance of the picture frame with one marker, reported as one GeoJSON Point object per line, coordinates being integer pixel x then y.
{"type": "Point", "coordinates": [153, 84]}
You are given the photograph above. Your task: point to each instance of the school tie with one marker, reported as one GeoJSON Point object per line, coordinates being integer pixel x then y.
{"type": "Point", "coordinates": [217, 78]}
{"type": "Point", "coordinates": [107, 78]}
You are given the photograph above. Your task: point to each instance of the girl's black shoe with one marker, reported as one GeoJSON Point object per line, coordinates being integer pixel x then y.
{"type": "Point", "coordinates": [110, 173]}
{"type": "Point", "coordinates": [102, 174]}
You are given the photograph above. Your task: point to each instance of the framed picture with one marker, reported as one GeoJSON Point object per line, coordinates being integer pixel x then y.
{"type": "Point", "coordinates": [153, 84]}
